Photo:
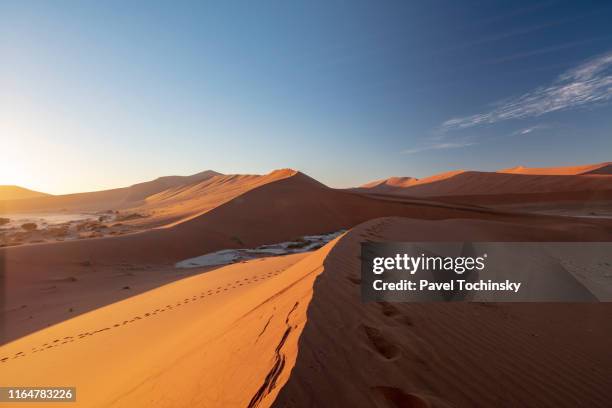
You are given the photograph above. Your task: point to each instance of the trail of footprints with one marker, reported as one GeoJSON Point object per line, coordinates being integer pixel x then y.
{"type": "Point", "coordinates": [167, 308]}
{"type": "Point", "coordinates": [380, 343]}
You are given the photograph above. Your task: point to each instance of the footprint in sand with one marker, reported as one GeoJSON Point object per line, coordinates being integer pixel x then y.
{"type": "Point", "coordinates": [390, 310]}
{"type": "Point", "coordinates": [202, 295]}
{"type": "Point", "coordinates": [381, 344]}
{"type": "Point", "coordinates": [397, 398]}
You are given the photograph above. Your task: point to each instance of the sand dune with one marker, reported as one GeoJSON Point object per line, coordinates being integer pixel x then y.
{"type": "Point", "coordinates": [471, 184]}
{"type": "Point", "coordinates": [101, 200]}
{"type": "Point", "coordinates": [599, 168]}
{"type": "Point", "coordinates": [390, 183]}
{"type": "Point", "coordinates": [18, 193]}
{"type": "Point", "coordinates": [265, 333]}
{"type": "Point", "coordinates": [394, 185]}
{"type": "Point", "coordinates": [287, 207]}
{"type": "Point", "coordinates": [183, 202]}
{"type": "Point", "coordinates": [222, 339]}
{"type": "Point", "coordinates": [476, 183]}
{"type": "Point", "coordinates": [441, 355]}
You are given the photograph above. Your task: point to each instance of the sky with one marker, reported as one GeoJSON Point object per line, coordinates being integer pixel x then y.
{"type": "Point", "coordinates": [95, 95]}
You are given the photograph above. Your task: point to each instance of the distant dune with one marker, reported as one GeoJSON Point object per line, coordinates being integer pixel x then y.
{"type": "Point", "coordinates": [18, 193]}
{"type": "Point", "coordinates": [518, 184]}
{"type": "Point", "coordinates": [390, 183]}
{"type": "Point", "coordinates": [101, 200]}
{"type": "Point", "coordinates": [600, 168]}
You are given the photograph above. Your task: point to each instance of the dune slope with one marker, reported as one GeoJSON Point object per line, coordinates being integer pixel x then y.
{"type": "Point", "coordinates": [485, 183]}
{"type": "Point", "coordinates": [219, 339]}
{"type": "Point", "coordinates": [441, 355]}
{"type": "Point", "coordinates": [292, 331]}
{"type": "Point", "coordinates": [101, 200]}
{"type": "Point", "coordinates": [284, 209]}
{"type": "Point", "coordinates": [18, 193]}
{"type": "Point", "coordinates": [599, 168]}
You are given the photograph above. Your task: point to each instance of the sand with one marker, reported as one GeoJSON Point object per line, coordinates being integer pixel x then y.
{"type": "Point", "coordinates": [50, 279]}
{"type": "Point", "coordinates": [471, 183]}
{"type": "Point", "coordinates": [222, 338]}
{"type": "Point", "coordinates": [114, 199]}
{"type": "Point", "coordinates": [292, 331]}
{"type": "Point", "coordinates": [599, 168]}
{"type": "Point", "coordinates": [18, 193]}
{"type": "Point", "coordinates": [114, 317]}
{"type": "Point", "coordinates": [443, 355]}
{"type": "Point", "coordinates": [519, 184]}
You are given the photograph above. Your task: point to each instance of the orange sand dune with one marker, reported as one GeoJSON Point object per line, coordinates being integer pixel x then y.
{"type": "Point", "coordinates": [101, 200]}
{"type": "Point", "coordinates": [470, 183]}
{"type": "Point", "coordinates": [18, 193]}
{"type": "Point", "coordinates": [395, 184]}
{"type": "Point", "coordinates": [220, 339]}
{"type": "Point", "coordinates": [291, 206]}
{"type": "Point", "coordinates": [295, 205]}
{"type": "Point", "coordinates": [473, 183]}
{"type": "Point", "coordinates": [180, 203]}
{"type": "Point", "coordinates": [391, 182]}
{"type": "Point", "coordinates": [445, 355]}
{"type": "Point", "coordinates": [600, 168]}
{"type": "Point", "coordinates": [265, 333]}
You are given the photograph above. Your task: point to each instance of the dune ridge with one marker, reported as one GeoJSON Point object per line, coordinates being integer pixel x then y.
{"type": "Point", "coordinates": [101, 200]}
{"type": "Point", "coordinates": [475, 186]}
{"type": "Point", "coordinates": [223, 338]}
{"type": "Point", "coordinates": [442, 355]}
{"type": "Point", "coordinates": [19, 193]}
{"type": "Point", "coordinates": [293, 203]}
{"type": "Point", "coordinates": [599, 168]}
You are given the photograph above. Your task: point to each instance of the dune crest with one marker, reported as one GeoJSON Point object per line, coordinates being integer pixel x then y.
{"type": "Point", "coordinates": [19, 193]}
{"type": "Point", "coordinates": [373, 354]}
{"type": "Point", "coordinates": [117, 198]}
{"type": "Point", "coordinates": [599, 168]}
{"type": "Point", "coordinates": [516, 185]}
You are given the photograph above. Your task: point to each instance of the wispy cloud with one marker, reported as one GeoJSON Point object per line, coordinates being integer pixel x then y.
{"type": "Point", "coordinates": [438, 146]}
{"type": "Point", "coordinates": [530, 129]}
{"type": "Point", "coordinates": [587, 84]}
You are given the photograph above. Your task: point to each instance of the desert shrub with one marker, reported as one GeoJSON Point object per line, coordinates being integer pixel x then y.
{"type": "Point", "coordinates": [29, 226]}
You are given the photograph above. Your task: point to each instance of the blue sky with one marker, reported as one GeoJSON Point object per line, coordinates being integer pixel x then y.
{"type": "Point", "coordinates": [104, 94]}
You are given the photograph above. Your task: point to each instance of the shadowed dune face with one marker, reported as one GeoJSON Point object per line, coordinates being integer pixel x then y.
{"type": "Point", "coordinates": [440, 355]}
